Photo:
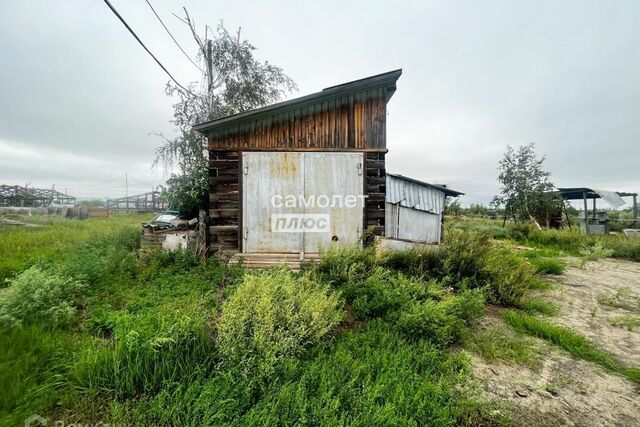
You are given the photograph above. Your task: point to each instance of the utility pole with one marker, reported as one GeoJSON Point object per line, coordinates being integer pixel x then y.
{"type": "Point", "coordinates": [126, 188]}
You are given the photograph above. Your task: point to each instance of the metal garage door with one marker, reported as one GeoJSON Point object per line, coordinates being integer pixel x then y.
{"type": "Point", "coordinates": [301, 202]}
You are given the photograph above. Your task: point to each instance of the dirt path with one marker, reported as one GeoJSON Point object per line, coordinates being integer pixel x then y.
{"type": "Point", "coordinates": [560, 389]}
{"type": "Point", "coordinates": [578, 293]}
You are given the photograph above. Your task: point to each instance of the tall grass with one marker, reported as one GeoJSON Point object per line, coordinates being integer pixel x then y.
{"type": "Point", "coordinates": [562, 242]}
{"type": "Point", "coordinates": [371, 376]}
{"type": "Point", "coordinates": [574, 343]}
{"type": "Point", "coordinates": [20, 247]}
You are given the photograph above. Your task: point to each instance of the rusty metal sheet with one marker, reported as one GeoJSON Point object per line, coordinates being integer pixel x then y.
{"type": "Point", "coordinates": [338, 176]}
{"type": "Point", "coordinates": [266, 175]}
{"type": "Point", "coordinates": [304, 177]}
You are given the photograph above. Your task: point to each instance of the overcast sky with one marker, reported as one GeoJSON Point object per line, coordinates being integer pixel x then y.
{"type": "Point", "coordinates": [80, 100]}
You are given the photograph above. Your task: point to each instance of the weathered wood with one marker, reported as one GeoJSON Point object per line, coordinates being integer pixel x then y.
{"type": "Point", "coordinates": [348, 124]}
{"type": "Point", "coordinates": [230, 196]}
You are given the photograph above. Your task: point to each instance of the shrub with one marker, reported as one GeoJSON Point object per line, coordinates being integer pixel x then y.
{"type": "Point", "coordinates": [441, 322]}
{"type": "Point", "coordinates": [520, 231]}
{"type": "Point", "coordinates": [273, 316]}
{"type": "Point", "coordinates": [342, 264]}
{"type": "Point", "coordinates": [463, 258]}
{"type": "Point", "coordinates": [595, 252]}
{"type": "Point", "coordinates": [410, 260]}
{"type": "Point", "coordinates": [39, 295]}
{"type": "Point", "coordinates": [509, 276]}
{"type": "Point", "coordinates": [431, 321]}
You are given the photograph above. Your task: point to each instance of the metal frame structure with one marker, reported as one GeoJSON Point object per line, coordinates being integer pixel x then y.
{"type": "Point", "coordinates": [19, 196]}
{"type": "Point", "coordinates": [145, 202]}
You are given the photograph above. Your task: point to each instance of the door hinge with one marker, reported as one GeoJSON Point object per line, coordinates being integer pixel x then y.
{"type": "Point", "coordinates": [360, 169]}
{"type": "Point", "coordinates": [245, 169]}
{"type": "Point", "coordinates": [245, 233]}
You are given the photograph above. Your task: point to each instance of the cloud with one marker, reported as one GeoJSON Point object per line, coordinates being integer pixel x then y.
{"type": "Point", "coordinates": [81, 100]}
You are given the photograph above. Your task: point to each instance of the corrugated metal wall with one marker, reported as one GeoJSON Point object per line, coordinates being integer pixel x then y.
{"type": "Point", "coordinates": [412, 195]}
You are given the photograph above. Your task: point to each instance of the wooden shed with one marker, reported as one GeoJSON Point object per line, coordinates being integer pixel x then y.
{"type": "Point", "coordinates": [293, 177]}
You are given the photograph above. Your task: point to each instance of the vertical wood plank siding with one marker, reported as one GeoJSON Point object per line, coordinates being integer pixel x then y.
{"type": "Point", "coordinates": [348, 123]}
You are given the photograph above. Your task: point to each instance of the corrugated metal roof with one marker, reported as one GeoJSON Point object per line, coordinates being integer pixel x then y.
{"type": "Point", "coordinates": [416, 194]}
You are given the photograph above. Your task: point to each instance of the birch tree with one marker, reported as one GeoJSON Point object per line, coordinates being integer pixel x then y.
{"type": "Point", "coordinates": [233, 80]}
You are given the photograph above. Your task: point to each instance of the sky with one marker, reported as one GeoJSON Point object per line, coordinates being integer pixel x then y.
{"type": "Point", "coordinates": [81, 103]}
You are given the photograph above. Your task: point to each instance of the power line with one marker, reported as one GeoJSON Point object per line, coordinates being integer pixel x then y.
{"type": "Point", "coordinates": [96, 184]}
{"type": "Point", "coordinates": [173, 38]}
{"type": "Point", "coordinates": [145, 47]}
{"type": "Point", "coordinates": [142, 182]}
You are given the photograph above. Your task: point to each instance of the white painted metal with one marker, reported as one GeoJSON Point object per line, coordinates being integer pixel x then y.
{"type": "Point", "coordinates": [303, 176]}
{"type": "Point", "coordinates": [334, 174]}
{"type": "Point", "coordinates": [412, 224]}
{"type": "Point", "coordinates": [413, 195]}
{"type": "Point", "coordinates": [265, 175]}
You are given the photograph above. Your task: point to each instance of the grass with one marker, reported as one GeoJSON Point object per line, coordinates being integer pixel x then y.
{"type": "Point", "coordinates": [556, 242]}
{"type": "Point", "coordinates": [629, 321]}
{"type": "Point", "coordinates": [621, 298]}
{"type": "Point", "coordinates": [497, 344]}
{"type": "Point", "coordinates": [141, 339]}
{"type": "Point", "coordinates": [574, 343]}
{"type": "Point", "coordinates": [162, 338]}
{"type": "Point", "coordinates": [20, 247]}
{"type": "Point", "coordinates": [539, 306]}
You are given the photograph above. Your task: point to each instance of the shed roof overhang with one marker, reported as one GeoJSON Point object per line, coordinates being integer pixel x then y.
{"type": "Point", "coordinates": [447, 191]}
{"type": "Point", "coordinates": [385, 80]}
{"type": "Point", "coordinates": [579, 193]}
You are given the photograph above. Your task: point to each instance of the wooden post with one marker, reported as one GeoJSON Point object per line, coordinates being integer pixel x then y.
{"type": "Point", "coordinates": [594, 208]}
{"type": "Point", "coordinates": [586, 213]}
{"type": "Point", "coordinates": [635, 210]}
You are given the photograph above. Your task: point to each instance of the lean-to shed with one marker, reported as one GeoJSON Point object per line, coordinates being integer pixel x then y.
{"type": "Point", "coordinates": [297, 175]}
{"type": "Point", "coordinates": [415, 210]}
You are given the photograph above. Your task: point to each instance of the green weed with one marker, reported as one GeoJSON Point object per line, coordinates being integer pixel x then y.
{"type": "Point", "coordinates": [273, 316]}
{"type": "Point", "coordinates": [571, 341]}
{"type": "Point", "coordinates": [534, 305]}
{"type": "Point", "coordinates": [631, 322]}
{"type": "Point", "coordinates": [497, 344]}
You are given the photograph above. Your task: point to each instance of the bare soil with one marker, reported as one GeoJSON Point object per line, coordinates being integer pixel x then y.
{"type": "Point", "coordinates": [563, 390]}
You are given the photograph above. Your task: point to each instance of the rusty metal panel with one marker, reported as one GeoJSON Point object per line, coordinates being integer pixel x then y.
{"type": "Point", "coordinates": [266, 175]}
{"type": "Point", "coordinates": [339, 177]}
{"type": "Point", "coordinates": [413, 195]}
{"type": "Point", "coordinates": [326, 186]}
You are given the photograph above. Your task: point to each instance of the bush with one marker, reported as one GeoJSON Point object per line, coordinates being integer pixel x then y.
{"type": "Point", "coordinates": [441, 322]}
{"type": "Point", "coordinates": [520, 231]}
{"type": "Point", "coordinates": [509, 276]}
{"type": "Point", "coordinates": [273, 316]}
{"type": "Point", "coordinates": [342, 264]}
{"type": "Point", "coordinates": [595, 252]}
{"type": "Point", "coordinates": [410, 260]}
{"type": "Point", "coordinates": [463, 258]}
{"type": "Point", "coordinates": [39, 295]}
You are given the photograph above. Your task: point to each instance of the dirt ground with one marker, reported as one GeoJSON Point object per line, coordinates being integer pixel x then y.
{"type": "Point", "coordinates": [563, 390]}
